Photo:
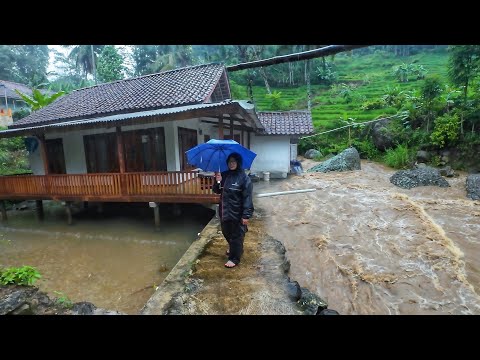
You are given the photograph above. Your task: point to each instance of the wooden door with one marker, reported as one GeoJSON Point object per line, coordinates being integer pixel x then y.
{"type": "Point", "coordinates": [56, 158]}
{"type": "Point", "coordinates": [132, 143]}
{"type": "Point", "coordinates": [145, 150]}
{"type": "Point", "coordinates": [155, 155]}
{"type": "Point", "coordinates": [101, 153]}
{"type": "Point", "coordinates": [187, 139]}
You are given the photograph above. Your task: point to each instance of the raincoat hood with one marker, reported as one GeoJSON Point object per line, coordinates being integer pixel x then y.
{"type": "Point", "coordinates": [238, 158]}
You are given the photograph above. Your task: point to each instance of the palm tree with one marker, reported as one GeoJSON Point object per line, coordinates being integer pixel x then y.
{"type": "Point", "coordinates": [84, 59]}
{"type": "Point", "coordinates": [172, 57]}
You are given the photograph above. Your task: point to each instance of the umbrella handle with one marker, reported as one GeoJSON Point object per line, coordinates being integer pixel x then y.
{"type": "Point", "coordinates": [218, 181]}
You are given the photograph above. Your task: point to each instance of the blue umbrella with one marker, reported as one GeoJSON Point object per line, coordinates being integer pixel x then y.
{"type": "Point", "coordinates": [212, 155]}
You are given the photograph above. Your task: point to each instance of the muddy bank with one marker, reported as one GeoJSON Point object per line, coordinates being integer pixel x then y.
{"type": "Point", "coordinates": [28, 300]}
{"type": "Point", "coordinates": [258, 285]}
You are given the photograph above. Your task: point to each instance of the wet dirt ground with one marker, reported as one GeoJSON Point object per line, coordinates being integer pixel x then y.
{"type": "Point", "coordinates": [258, 285]}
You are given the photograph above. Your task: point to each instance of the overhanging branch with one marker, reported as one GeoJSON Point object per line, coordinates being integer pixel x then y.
{"type": "Point", "coordinates": [304, 55]}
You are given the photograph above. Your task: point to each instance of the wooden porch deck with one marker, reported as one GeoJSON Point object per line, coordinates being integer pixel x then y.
{"type": "Point", "coordinates": [167, 187]}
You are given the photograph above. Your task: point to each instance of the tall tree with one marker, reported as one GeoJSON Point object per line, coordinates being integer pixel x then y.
{"type": "Point", "coordinates": [430, 90]}
{"type": "Point", "coordinates": [110, 64]}
{"type": "Point", "coordinates": [84, 58]}
{"type": "Point", "coordinates": [26, 64]}
{"type": "Point", "coordinates": [291, 66]}
{"type": "Point", "coordinates": [66, 76]}
{"type": "Point", "coordinates": [31, 62]}
{"type": "Point", "coordinates": [177, 56]}
{"type": "Point", "coordinates": [257, 52]}
{"type": "Point", "coordinates": [145, 57]}
{"type": "Point", "coordinates": [463, 67]}
{"type": "Point", "coordinates": [308, 71]}
{"type": "Point", "coordinates": [215, 53]}
{"type": "Point", "coordinates": [7, 58]}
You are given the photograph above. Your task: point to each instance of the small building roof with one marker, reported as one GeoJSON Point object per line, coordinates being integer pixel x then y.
{"type": "Point", "coordinates": [9, 87]}
{"type": "Point", "coordinates": [179, 87]}
{"type": "Point", "coordinates": [296, 122]}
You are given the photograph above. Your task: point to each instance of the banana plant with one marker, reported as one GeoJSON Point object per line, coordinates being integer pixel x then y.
{"type": "Point", "coordinates": [39, 100]}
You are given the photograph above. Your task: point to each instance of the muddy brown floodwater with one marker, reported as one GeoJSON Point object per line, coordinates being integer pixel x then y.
{"type": "Point", "coordinates": [369, 247]}
{"type": "Point", "coordinates": [114, 259]}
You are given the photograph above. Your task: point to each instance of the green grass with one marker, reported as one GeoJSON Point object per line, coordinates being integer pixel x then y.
{"type": "Point", "coordinates": [370, 74]}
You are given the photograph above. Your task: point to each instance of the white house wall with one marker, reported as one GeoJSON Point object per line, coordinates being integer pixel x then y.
{"type": "Point", "coordinates": [74, 151]}
{"type": "Point", "coordinates": [36, 163]}
{"type": "Point", "coordinates": [273, 155]}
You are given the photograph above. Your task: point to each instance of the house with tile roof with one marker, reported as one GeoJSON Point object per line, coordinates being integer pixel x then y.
{"type": "Point", "coordinates": [276, 145]}
{"type": "Point", "coordinates": [126, 140]}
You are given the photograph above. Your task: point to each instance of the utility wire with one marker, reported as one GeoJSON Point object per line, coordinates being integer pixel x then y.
{"type": "Point", "coordinates": [403, 115]}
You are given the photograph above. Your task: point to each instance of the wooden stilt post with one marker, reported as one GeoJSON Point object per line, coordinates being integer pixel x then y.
{"type": "Point", "coordinates": [85, 204]}
{"type": "Point", "coordinates": [156, 213]}
{"type": "Point", "coordinates": [220, 127]}
{"type": "Point", "coordinates": [68, 209]}
{"type": "Point", "coordinates": [3, 210]}
{"type": "Point", "coordinates": [121, 160]}
{"type": "Point", "coordinates": [177, 210]}
{"type": "Point", "coordinates": [39, 207]}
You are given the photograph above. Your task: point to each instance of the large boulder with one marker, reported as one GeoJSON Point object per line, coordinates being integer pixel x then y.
{"type": "Point", "coordinates": [423, 156]}
{"type": "Point", "coordinates": [473, 186]}
{"type": "Point", "coordinates": [424, 176]}
{"type": "Point", "coordinates": [348, 159]}
{"type": "Point", "coordinates": [312, 153]}
{"type": "Point", "coordinates": [382, 137]}
{"type": "Point", "coordinates": [28, 300]}
{"type": "Point", "coordinates": [310, 303]}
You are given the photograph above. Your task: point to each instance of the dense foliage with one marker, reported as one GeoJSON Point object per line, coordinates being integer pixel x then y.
{"type": "Point", "coordinates": [110, 66]}
{"type": "Point", "coordinates": [25, 64]}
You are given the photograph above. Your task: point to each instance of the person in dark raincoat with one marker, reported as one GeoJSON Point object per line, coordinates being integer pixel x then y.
{"type": "Point", "coordinates": [236, 206]}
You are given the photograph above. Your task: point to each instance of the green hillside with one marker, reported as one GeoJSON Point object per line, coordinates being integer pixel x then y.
{"type": "Point", "coordinates": [368, 77]}
{"type": "Point", "coordinates": [434, 115]}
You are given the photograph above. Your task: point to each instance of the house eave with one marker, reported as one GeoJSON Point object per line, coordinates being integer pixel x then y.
{"type": "Point", "coordinates": [141, 117]}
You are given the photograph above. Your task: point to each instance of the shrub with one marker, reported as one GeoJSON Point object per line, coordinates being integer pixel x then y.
{"type": "Point", "coordinates": [63, 300]}
{"type": "Point", "coordinates": [25, 275]}
{"type": "Point", "coordinates": [276, 102]}
{"type": "Point", "coordinates": [398, 158]}
{"type": "Point", "coordinates": [446, 130]}
{"type": "Point", "coordinates": [366, 149]}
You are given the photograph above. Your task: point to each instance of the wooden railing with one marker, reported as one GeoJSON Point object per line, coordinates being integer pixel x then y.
{"type": "Point", "coordinates": [184, 186]}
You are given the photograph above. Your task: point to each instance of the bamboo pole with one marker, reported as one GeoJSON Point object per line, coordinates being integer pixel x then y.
{"type": "Point", "coordinates": [285, 192]}
{"type": "Point", "coordinates": [304, 55]}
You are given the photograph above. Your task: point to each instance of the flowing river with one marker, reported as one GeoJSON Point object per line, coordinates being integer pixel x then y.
{"type": "Point", "coordinates": [369, 247]}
